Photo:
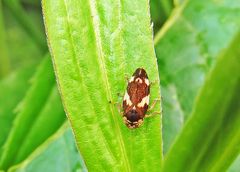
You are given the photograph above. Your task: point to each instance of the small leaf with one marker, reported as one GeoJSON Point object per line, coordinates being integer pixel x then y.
{"type": "Point", "coordinates": [14, 87]}
{"type": "Point", "coordinates": [50, 118]}
{"type": "Point", "coordinates": [210, 139]}
{"type": "Point", "coordinates": [22, 50]}
{"type": "Point", "coordinates": [94, 45]}
{"type": "Point", "coordinates": [187, 47]}
{"type": "Point", "coordinates": [57, 153]}
{"type": "Point", "coordinates": [4, 59]}
{"type": "Point", "coordinates": [39, 106]}
{"type": "Point", "coordinates": [25, 21]}
{"type": "Point", "coordinates": [235, 165]}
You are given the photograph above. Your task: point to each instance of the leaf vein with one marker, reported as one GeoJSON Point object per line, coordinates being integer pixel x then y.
{"type": "Point", "coordinates": [93, 11]}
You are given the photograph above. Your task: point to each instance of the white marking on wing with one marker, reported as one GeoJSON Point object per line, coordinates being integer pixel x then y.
{"type": "Point", "coordinates": [147, 81]}
{"type": "Point", "coordinates": [127, 99]}
{"type": "Point", "coordinates": [132, 79]}
{"type": "Point", "coordinates": [144, 101]}
{"type": "Point", "coordinates": [140, 71]}
{"type": "Point", "coordinates": [139, 80]}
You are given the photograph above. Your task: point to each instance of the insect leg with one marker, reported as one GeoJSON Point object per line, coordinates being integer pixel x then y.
{"type": "Point", "coordinates": [118, 105]}
{"type": "Point", "coordinates": [153, 104]}
{"type": "Point", "coordinates": [120, 95]}
{"type": "Point", "coordinates": [152, 114]}
{"type": "Point", "coordinates": [154, 82]}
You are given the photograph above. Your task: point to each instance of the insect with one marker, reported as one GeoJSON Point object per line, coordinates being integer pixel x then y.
{"type": "Point", "coordinates": [136, 99]}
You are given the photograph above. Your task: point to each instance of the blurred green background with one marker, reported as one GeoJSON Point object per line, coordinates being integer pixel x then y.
{"type": "Point", "coordinates": [32, 120]}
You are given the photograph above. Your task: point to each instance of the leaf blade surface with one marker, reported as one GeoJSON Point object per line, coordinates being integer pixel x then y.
{"type": "Point", "coordinates": [94, 45]}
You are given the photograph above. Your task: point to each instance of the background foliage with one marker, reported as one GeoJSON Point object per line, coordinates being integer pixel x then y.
{"type": "Point", "coordinates": [197, 49]}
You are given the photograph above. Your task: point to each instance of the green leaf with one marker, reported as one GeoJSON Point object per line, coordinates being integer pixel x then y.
{"type": "Point", "coordinates": [235, 165]}
{"type": "Point", "coordinates": [57, 153]}
{"type": "Point", "coordinates": [20, 54]}
{"type": "Point", "coordinates": [187, 47]}
{"type": "Point", "coordinates": [210, 139]}
{"type": "Point", "coordinates": [178, 2]}
{"type": "Point", "coordinates": [49, 119]}
{"type": "Point", "coordinates": [173, 119]}
{"type": "Point", "coordinates": [25, 21]}
{"type": "Point", "coordinates": [14, 87]}
{"type": "Point", "coordinates": [160, 11]}
{"type": "Point", "coordinates": [39, 115]}
{"type": "Point", "coordinates": [4, 59]}
{"type": "Point", "coordinates": [93, 45]}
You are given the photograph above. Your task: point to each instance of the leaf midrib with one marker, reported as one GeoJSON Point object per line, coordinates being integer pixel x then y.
{"type": "Point", "coordinates": [105, 79]}
{"type": "Point", "coordinates": [78, 68]}
{"type": "Point", "coordinates": [96, 30]}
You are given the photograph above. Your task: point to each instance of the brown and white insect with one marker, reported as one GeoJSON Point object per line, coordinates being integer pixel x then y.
{"type": "Point", "coordinates": [136, 99]}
